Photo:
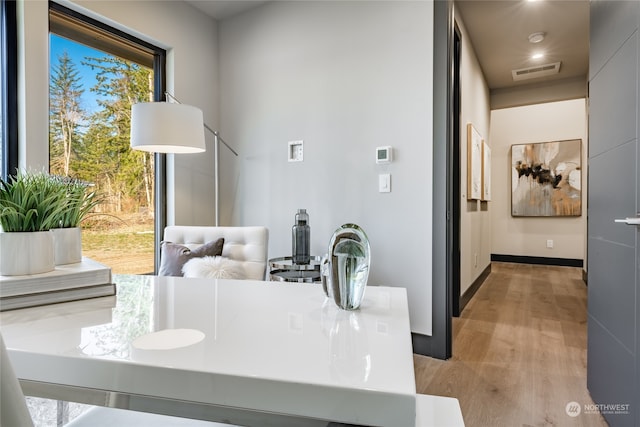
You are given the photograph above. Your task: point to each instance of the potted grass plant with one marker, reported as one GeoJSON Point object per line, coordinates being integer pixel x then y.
{"type": "Point", "coordinates": [30, 205]}
{"type": "Point", "coordinates": [79, 201]}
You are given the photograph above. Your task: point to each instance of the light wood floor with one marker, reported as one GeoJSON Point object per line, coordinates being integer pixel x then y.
{"type": "Point", "coordinates": [519, 351]}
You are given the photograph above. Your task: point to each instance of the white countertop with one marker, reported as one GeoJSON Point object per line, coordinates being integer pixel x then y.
{"type": "Point", "coordinates": [266, 346]}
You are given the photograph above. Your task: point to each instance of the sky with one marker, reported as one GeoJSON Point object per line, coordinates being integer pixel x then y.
{"type": "Point", "coordinates": [77, 52]}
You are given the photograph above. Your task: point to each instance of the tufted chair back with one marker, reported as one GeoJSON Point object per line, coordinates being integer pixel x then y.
{"type": "Point", "coordinates": [246, 244]}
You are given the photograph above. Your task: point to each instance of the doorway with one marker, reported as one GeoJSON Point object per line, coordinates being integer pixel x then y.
{"type": "Point", "coordinates": [455, 174]}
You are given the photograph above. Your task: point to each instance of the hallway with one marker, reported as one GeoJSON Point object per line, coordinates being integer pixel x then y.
{"type": "Point", "coordinates": [519, 351]}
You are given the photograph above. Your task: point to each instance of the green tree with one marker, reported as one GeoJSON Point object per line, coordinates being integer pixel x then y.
{"type": "Point", "coordinates": [65, 114]}
{"type": "Point", "coordinates": [127, 175]}
{"type": "Point", "coordinates": [95, 160]}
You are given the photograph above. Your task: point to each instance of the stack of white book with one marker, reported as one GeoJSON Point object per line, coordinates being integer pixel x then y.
{"type": "Point", "coordinates": [70, 282]}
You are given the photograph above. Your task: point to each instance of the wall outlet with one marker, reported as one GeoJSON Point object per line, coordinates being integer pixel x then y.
{"type": "Point", "coordinates": [550, 244]}
{"type": "Point", "coordinates": [296, 151]}
{"type": "Point", "coordinates": [475, 260]}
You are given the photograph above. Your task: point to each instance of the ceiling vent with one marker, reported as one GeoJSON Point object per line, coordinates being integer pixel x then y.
{"type": "Point", "coordinates": [535, 72]}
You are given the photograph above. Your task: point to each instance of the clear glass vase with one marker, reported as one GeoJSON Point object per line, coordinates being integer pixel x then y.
{"type": "Point", "coordinates": [345, 270]}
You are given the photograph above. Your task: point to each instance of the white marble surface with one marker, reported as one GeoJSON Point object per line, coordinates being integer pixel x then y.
{"type": "Point", "coordinates": [269, 346]}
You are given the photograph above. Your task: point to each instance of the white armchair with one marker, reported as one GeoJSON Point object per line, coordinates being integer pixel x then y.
{"type": "Point", "coordinates": [247, 245]}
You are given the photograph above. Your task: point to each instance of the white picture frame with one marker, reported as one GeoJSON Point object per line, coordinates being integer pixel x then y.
{"type": "Point", "coordinates": [486, 172]}
{"type": "Point", "coordinates": [474, 163]}
{"type": "Point", "coordinates": [546, 179]}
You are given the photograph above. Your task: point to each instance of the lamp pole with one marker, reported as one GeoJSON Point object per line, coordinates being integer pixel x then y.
{"type": "Point", "coordinates": [216, 160]}
{"type": "Point", "coordinates": [216, 176]}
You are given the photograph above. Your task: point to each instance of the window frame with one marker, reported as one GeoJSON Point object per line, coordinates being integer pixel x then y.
{"type": "Point", "coordinates": [122, 39]}
{"type": "Point", "coordinates": [9, 82]}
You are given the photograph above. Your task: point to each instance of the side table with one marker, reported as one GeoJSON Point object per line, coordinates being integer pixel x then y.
{"type": "Point", "coordinates": [283, 269]}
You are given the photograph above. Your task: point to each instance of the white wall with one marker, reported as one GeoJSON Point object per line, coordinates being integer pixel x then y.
{"type": "Point", "coordinates": [345, 77]}
{"type": "Point", "coordinates": [475, 216]}
{"type": "Point", "coordinates": [191, 41]}
{"type": "Point", "coordinates": [33, 84]}
{"type": "Point", "coordinates": [536, 123]}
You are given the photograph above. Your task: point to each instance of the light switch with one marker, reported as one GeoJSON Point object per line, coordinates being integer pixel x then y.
{"type": "Point", "coordinates": [384, 183]}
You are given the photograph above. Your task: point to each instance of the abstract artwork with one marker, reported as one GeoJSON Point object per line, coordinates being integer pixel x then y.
{"type": "Point", "coordinates": [546, 179]}
{"type": "Point", "coordinates": [486, 172]}
{"type": "Point", "coordinates": [474, 163]}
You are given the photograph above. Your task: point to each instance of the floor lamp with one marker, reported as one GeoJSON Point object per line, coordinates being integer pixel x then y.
{"type": "Point", "coordinates": [173, 127]}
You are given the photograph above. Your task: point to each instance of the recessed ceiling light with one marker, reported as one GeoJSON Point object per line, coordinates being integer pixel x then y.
{"type": "Point", "coordinates": [536, 37]}
{"type": "Point", "coordinates": [537, 55]}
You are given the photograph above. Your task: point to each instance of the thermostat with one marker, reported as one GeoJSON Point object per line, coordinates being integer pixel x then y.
{"type": "Point", "coordinates": [384, 154]}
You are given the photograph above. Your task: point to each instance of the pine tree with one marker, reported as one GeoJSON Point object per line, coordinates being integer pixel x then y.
{"type": "Point", "coordinates": [128, 175]}
{"type": "Point", "coordinates": [66, 115]}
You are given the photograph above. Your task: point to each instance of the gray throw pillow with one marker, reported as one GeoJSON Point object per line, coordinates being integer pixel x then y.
{"type": "Point", "coordinates": [175, 255]}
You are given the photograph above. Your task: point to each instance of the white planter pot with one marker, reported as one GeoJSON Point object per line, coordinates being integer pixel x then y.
{"type": "Point", "coordinates": [26, 253]}
{"type": "Point", "coordinates": [67, 243]}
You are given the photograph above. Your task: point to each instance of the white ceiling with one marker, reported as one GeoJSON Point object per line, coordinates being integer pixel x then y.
{"type": "Point", "coordinates": [499, 33]}
{"type": "Point", "coordinates": [221, 9]}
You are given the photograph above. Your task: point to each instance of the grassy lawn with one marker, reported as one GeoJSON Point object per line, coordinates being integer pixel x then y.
{"type": "Point", "coordinates": [125, 245]}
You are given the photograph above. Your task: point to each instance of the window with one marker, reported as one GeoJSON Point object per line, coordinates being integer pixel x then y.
{"type": "Point", "coordinates": [96, 74]}
{"type": "Point", "coordinates": [8, 89]}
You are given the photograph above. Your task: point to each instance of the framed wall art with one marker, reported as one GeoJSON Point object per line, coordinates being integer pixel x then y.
{"type": "Point", "coordinates": [486, 172]}
{"type": "Point", "coordinates": [474, 163]}
{"type": "Point", "coordinates": [546, 179]}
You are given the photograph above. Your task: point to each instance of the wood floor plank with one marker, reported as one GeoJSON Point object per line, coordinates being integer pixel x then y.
{"type": "Point", "coordinates": [519, 351]}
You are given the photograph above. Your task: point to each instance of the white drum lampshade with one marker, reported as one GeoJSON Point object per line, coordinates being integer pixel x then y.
{"type": "Point", "coordinates": [163, 127]}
